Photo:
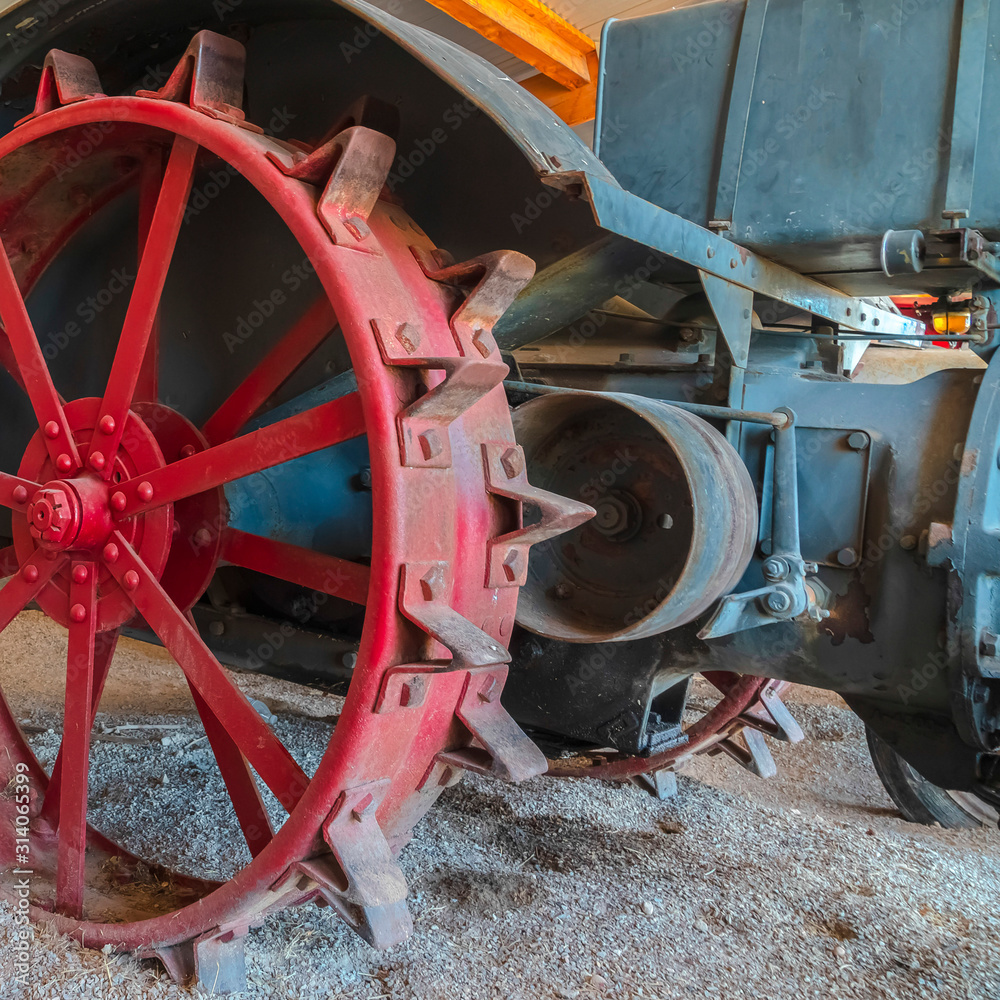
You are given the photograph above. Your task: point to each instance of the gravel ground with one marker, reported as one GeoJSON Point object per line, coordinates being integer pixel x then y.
{"type": "Point", "coordinates": [807, 885]}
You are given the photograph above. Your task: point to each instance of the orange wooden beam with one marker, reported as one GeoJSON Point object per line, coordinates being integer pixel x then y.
{"type": "Point", "coordinates": [532, 32]}
{"type": "Point", "coordinates": [574, 105]}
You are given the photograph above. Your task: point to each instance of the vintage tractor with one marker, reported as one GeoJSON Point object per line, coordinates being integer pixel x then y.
{"type": "Point", "coordinates": [265, 365]}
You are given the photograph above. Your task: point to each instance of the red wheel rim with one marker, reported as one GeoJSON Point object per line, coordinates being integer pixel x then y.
{"type": "Point", "coordinates": [432, 655]}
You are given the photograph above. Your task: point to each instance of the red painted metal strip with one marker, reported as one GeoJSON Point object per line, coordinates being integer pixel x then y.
{"type": "Point", "coordinates": [323, 426]}
{"type": "Point", "coordinates": [145, 303]}
{"type": "Point", "coordinates": [77, 722]}
{"type": "Point", "coordinates": [239, 779]}
{"type": "Point", "coordinates": [35, 373]}
{"type": "Point", "coordinates": [305, 567]}
{"type": "Point", "coordinates": [256, 740]}
{"type": "Point", "coordinates": [104, 651]}
{"type": "Point", "coordinates": [280, 363]}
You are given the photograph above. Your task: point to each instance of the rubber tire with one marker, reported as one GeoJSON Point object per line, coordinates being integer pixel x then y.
{"type": "Point", "coordinates": [918, 800]}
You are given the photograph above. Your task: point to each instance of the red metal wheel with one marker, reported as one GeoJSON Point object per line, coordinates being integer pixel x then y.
{"type": "Point", "coordinates": [112, 490]}
{"type": "Point", "coordinates": [749, 708]}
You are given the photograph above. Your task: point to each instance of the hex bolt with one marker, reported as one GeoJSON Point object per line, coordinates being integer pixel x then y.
{"type": "Point", "coordinates": [489, 689]}
{"type": "Point", "coordinates": [847, 556]}
{"type": "Point", "coordinates": [987, 643]}
{"type": "Point", "coordinates": [775, 568]}
{"type": "Point", "coordinates": [778, 602]}
{"type": "Point", "coordinates": [512, 461]}
{"type": "Point", "coordinates": [858, 441]}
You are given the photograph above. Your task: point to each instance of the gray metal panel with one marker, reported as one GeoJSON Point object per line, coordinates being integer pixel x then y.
{"type": "Point", "coordinates": [850, 126]}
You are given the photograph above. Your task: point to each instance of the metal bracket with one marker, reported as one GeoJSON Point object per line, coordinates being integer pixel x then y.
{"type": "Point", "coordinates": [473, 371]}
{"type": "Point", "coordinates": [770, 715]}
{"type": "Point", "coordinates": [209, 78]}
{"type": "Point", "coordinates": [66, 79]}
{"type": "Point", "coordinates": [732, 306]}
{"type": "Point", "coordinates": [754, 755]}
{"type": "Point", "coordinates": [786, 595]}
{"type": "Point", "coordinates": [738, 113]}
{"type": "Point", "coordinates": [507, 563]}
{"type": "Point", "coordinates": [424, 592]}
{"type": "Point", "coordinates": [972, 51]}
{"type": "Point", "coordinates": [504, 750]}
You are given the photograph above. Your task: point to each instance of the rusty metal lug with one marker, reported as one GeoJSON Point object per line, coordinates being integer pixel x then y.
{"type": "Point", "coordinates": [66, 79]}
{"type": "Point", "coordinates": [209, 78]}
{"type": "Point", "coordinates": [504, 751]}
{"type": "Point", "coordinates": [424, 593]}
{"type": "Point", "coordinates": [506, 476]}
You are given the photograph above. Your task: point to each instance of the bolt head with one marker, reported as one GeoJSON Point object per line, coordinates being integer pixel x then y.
{"type": "Point", "coordinates": [50, 516]}
{"type": "Point", "coordinates": [512, 461]}
{"type": "Point", "coordinates": [107, 424]}
{"type": "Point", "coordinates": [64, 463]}
{"type": "Point", "coordinates": [52, 430]}
{"type": "Point", "coordinates": [778, 602]}
{"type": "Point", "coordinates": [30, 573]}
{"type": "Point", "coordinates": [188, 450]}
{"type": "Point", "coordinates": [775, 568]}
{"type": "Point", "coordinates": [202, 537]}
{"type": "Point", "coordinates": [80, 573]}
{"type": "Point", "coordinates": [145, 492]}
{"type": "Point", "coordinates": [847, 556]}
{"type": "Point", "coordinates": [20, 494]}
{"type": "Point", "coordinates": [111, 552]}
{"type": "Point", "coordinates": [78, 613]}
{"type": "Point", "coordinates": [97, 461]}
{"type": "Point", "coordinates": [118, 501]}
{"type": "Point", "coordinates": [858, 441]}
{"type": "Point", "coordinates": [131, 580]}
{"type": "Point", "coordinates": [432, 583]}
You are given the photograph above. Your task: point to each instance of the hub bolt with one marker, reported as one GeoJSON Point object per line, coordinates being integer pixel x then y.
{"type": "Point", "coordinates": [20, 494]}
{"type": "Point", "coordinates": [119, 502]}
{"type": "Point", "coordinates": [80, 574]}
{"type": "Point", "coordinates": [50, 516]}
{"type": "Point", "coordinates": [97, 461]}
{"type": "Point", "coordinates": [30, 573]}
{"type": "Point", "coordinates": [52, 430]}
{"type": "Point", "coordinates": [145, 492]}
{"type": "Point", "coordinates": [107, 424]}
{"type": "Point", "coordinates": [131, 580]}
{"type": "Point", "coordinates": [188, 450]}
{"type": "Point", "coordinates": [64, 463]}
{"type": "Point", "coordinates": [111, 552]}
{"type": "Point", "coordinates": [78, 613]}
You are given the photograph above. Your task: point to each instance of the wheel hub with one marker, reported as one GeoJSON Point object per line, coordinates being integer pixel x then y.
{"type": "Point", "coordinates": [55, 515]}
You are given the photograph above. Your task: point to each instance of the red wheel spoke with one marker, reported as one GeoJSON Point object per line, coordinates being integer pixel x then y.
{"type": "Point", "coordinates": [140, 319]}
{"type": "Point", "coordinates": [34, 372]}
{"type": "Point", "coordinates": [257, 742]}
{"type": "Point", "coordinates": [24, 587]}
{"type": "Point", "coordinates": [8, 562]}
{"type": "Point", "coordinates": [274, 370]}
{"type": "Point", "coordinates": [150, 184]}
{"type": "Point", "coordinates": [239, 779]}
{"type": "Point", "coordinates": [327, 574]}
{"type": "Point", "coordinates": [77, 722]}
{"type": "Point", "coordinates": [15, 493]}
{"type": "Point", "coordinates": [321, 427]}
{"type": "Point", "coordinates": [104, 651]}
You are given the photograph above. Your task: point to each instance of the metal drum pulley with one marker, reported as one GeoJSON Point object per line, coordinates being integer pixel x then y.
{"type": "Point", "coordinates": [676, 516]}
